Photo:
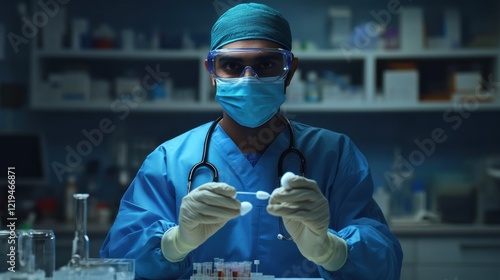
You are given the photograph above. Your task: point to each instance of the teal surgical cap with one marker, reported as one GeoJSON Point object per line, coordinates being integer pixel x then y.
{"type": "Point", "coordinates": [251, 21]}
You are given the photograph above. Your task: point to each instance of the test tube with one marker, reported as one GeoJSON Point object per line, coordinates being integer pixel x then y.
{"type": "Point", "coordinates": [207, 269]}
{"type": "Point", "coordinates": [247, 268]}
{"type": "Point", "coordinates": [219, 267]}
{"type": "Point", "coordinates": [80, 250]}
{"type": "Point", "coordinates": [227, 271]}
{"type": "Point", "coordinates": [256, 262]}
{"type": "Point", "coordinates": [234, 270]}
{"type": "Point", "coordinates": [197, 271]}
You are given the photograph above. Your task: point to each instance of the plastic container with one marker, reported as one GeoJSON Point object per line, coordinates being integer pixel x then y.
{"type": "Point", "coordinates": [313, 89]}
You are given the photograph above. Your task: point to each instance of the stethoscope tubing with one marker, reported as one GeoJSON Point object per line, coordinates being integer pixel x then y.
{"type": "Point", "coordinates": [291, 149]}
{"type": "Point", "coordinates": [204, 158]}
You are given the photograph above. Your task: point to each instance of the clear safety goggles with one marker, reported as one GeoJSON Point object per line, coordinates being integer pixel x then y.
{"type": "Point", "coordinates": [268, 64]}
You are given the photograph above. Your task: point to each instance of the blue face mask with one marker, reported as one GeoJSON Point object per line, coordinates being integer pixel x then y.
{"type": "Point", "coordinates": [250, 101]}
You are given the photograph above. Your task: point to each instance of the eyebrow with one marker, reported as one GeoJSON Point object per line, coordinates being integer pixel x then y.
{"type": "Point", "coordinates": [227, 58]}
{"type": "Point", "coordinates": [261, 57]}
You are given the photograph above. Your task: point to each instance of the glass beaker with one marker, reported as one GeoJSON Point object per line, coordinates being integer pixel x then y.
{"type": "Point", "coordinates": [80, 250]}
{"type": "Point", "coordinates": [25, 254]}
{"type": "Point", "coordinates": [44, 249]}
{"type": "Point", "coordinates": [20, 257]}
{"type": "Point", "coordinates": [8, 256]}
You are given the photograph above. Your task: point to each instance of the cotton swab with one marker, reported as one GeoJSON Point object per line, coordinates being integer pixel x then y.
{"type": "Point", "coordinates": [245, 208]}
{"type": "Point", "coordinates": [285, 179]}
{"type": "Point", "coordinates": [262, 195]}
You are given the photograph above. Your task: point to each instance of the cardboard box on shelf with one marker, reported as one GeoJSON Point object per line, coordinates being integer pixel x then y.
{"type": "Point", "coordinates": [468, 87]}
{"type": "Point", "coordinates": [401, 85]}
{"type": "Point", "coordinates": [411, 29]}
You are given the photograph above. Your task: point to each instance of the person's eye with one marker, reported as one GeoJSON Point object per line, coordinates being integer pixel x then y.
{"type": "Point", "coordinates": [231, 67]}
{"type": "Point", "coordinates": [267, 64]}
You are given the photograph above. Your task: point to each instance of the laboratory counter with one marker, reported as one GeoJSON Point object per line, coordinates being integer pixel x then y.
{"type": "Point", "coordinates": [449, 251]}
{"type": "Point", "coordinates": [399, 229]}
{"type": "Point", "coordinates": [456, 242]}
{"type": "Point", "coordinates": [438, 229]}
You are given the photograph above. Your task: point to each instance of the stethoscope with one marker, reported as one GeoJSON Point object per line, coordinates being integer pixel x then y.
{"type": "Point", "coordinates": [290, 150]}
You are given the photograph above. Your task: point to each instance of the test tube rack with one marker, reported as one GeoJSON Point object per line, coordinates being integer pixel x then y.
{"type": "Point", "coordinates": [220, 270]}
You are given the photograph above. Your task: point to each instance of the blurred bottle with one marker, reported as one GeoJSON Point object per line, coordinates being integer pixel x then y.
{"type": "Point", "coordinates": [70, 189]}
{"type": "Point", "coordinates": [383, 198]}
{"type": "Point", "coordinates": [295, 91]}
{"type": "Point", "coordinates": [399, 180]}
{"type": "Point", "coordinates": [313, 89]}
{"type": "Point", "coordinates": [391, 39]}
{"type": "Point", "coordinates": [103, 37]}
{"type": "Point", "coordinates": [419, 199]}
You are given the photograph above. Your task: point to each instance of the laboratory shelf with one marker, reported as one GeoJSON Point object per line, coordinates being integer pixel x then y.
{"type": "Point", "coordinates": [313, 54]}
{"type": "Point", "coordinates": [308, 55]}
{"type": "Point", "coordinates": [144, 106]}
{"type": "Point", "coordinates": [359, 64]}
{"type": "Point", "coordinates": [329, 55]}
{"type": "Point", "coordinates": [387, 107]}
{"type": "Point", "coordinates": [120, 54]}
{"type": "Point", "coordinates": [435, 53]}
{"type": "Point", "coordinates": [147, 106]}
{"type": "Point", "coordinates": [361, 54]}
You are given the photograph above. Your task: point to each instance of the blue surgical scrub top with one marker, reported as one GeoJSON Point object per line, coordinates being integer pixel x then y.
{"type": "Point", "coordinates": [151, 205]}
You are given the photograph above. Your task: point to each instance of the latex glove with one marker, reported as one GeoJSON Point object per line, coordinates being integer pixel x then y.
{"type": "Point", "coordinates": [306, 215]}
{"type": "Point", "coordinates": [203, 212]}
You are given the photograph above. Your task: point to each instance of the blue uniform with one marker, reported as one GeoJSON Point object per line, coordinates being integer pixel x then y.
{"type": "Point", "coordinates": [151, 205]}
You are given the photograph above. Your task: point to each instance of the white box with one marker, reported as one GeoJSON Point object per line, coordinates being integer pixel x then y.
{"type": "Point", "coordinates": [452, 28]}
{"type": "Point", "coordinates": [53, 31]}
{"type": "Point", "coordinates": [466, 82]}
{"type": "Point", "coordinates": [70, 86]}
{"type": "Point", "coordinates": [79, 28]}
{"type": "Point", "coordinates": [128, 88]}
{"type": "Point", "coordinates": [76, 86]}
{"type": "Point", "coordinates": [340, 20]}
{"type": "Point", "coordinates": [411, 29]}
{"type": "Point", "coordinates": [100, 90]}
{"type": "Point", "coordinates": [401, 85]}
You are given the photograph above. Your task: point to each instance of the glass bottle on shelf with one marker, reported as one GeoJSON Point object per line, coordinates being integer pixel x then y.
{"type": "Point", "coordinates": [313, 89]}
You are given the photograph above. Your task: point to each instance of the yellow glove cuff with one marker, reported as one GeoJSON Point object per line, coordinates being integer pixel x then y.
{"type": "Point", "coordinates": [172, 247]}
{"type": "Point", "coordinates": [335, 254]}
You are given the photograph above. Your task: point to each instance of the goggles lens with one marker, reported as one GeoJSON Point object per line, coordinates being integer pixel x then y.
{"type": "Point", "coordinates": [259, 62]}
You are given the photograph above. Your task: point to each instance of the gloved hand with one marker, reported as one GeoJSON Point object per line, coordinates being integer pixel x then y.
{"type": "Point", "coordinates": [306, 216]}
{"type": "Point", "coordinates": [203, 212]}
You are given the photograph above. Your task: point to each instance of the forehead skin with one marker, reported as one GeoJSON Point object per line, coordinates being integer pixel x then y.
{"type": "Point", "coordinates": [252, 44]}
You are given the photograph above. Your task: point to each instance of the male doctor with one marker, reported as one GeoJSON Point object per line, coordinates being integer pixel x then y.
{"type": "Point", "coordinates": [326, 220]}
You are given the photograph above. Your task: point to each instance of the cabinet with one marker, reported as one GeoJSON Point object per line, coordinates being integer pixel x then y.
{"type": "Point", "coordinates": [451, 252]}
